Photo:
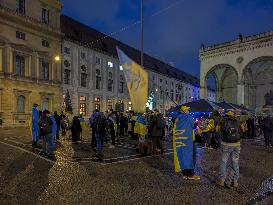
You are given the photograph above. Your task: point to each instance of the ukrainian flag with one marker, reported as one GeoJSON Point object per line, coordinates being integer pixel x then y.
{"type": "Point", "coordinates": [141, 125]}
{"type": "Point", "coordinates": [137, 81]}
{"type": "Point", "coordinates": [183, 142]}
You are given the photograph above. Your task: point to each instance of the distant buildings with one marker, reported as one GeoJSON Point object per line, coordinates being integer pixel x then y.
{"type": "Point", "coordinates": [43, 55]}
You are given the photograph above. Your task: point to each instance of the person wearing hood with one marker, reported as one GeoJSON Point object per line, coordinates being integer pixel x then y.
{"type": "Point", "coordinates": [183, 144]}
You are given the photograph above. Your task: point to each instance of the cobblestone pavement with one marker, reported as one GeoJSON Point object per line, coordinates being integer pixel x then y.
{"type": "Point", "coordinates": [74, 177]}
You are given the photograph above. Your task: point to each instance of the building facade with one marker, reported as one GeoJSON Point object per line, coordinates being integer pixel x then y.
{"type": "Point", "coordinates": [93, 78]}
{"type": "Point", "coordinates": [242, 70]}
{"type": "Point", "coordinates": [30, 45]}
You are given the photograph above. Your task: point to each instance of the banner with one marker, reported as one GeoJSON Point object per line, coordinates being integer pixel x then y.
{"type": "Point", "coordinates": [137, 81]}
{"type": "Point", "coordinates": [183, 142]}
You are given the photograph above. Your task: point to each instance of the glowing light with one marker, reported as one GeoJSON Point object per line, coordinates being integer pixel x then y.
{"type": "Point", "coordinates": [57, 58]}
{"type": "Point", "coordinates": [120, 67]}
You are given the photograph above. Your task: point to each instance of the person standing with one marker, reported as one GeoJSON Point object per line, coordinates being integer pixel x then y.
{"type": "Point", "coordinates": [122, 124]}
{"type": "Point", "coordinates": [54, 133]}
{"type": "Point", "coordinates": [58, 124]}
{"type": "Point", "coordinates": [99, 128]}
{"type": "Point", "coordinates": [35, 117]}
{"type": "Point", "coordinates": [45, 125]}
{"type": "Point", "coordinates": [76, 129]}
{"type": "Point", "coordinates": [230, 146]}
{"type": "Point", "coordinates": [93, 136]}
{"type": "Point", "coordinates": [267, 126]}
{"type": "Point", "coordinates": [111, 124]}
{"type": "Point", "coordinates": [156, 126]}
{"type": "Point", "coordinates": [183, 144]}
{"type": "Point", "coordinates": [64, 123]}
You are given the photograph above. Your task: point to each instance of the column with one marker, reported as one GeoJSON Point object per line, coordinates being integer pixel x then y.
{"type": "Point", "coordinates": [37, 65]}
{"type": "Point", "coordinates": [1, 60]}
{"type": "Point", "coordinates": [9, 59]}
{"type": "Point", "coordinates": [240, 93]}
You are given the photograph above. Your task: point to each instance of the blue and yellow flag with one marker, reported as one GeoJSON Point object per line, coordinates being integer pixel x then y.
{"type": "Point", "coordinates": [183, 142]}
{"type": "Point", "coordinates": [141, 125]}
{"type": "Point", "coordinates": [137, 81]}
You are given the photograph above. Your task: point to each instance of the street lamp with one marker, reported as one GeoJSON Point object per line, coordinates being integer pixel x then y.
{"type": "Point", "coordinates": [57, 58]}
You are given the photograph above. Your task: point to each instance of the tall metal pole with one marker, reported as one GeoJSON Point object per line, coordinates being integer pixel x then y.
{"type": "Point", "coordinates": [142, 33]}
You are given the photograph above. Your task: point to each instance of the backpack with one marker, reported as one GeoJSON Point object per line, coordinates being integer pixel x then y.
{"type": "Point", "coordinates": [46, 126]}
{"type": "Point", "coordinates": [99, 124]}
{"type": "Point", "coordinates": [230, 130]}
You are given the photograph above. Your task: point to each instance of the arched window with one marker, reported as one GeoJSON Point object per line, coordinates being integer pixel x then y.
{"type": "Point", "coordinates": [21, 104]}
{"type": "Point", "coordinates": [45, 104]}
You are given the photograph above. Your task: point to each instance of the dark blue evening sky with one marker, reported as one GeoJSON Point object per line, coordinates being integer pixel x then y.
{"type": "Point", "coordinates": [176, 34]}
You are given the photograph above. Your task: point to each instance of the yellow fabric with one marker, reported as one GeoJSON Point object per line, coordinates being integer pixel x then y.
{"type": "Point", "coordinates": [177, 167]}
{"type": "Point", "coordinates": [243, 127]}
{"type": "Point", "coordinates": [230, 113]}
{"type": "Point", "coordinates": [236, 144]}
{"type": "Point", "coordinates": [217, 128]}
{"type": "Point", "coordinates": [83, 125]}
{"type": "Point", "coordinates": [184, 108]}
{"type": "Point", "coordinates": [210, 127]}
{"type": "Point", "coordinates": [30, 125]}
{"type": "Point", "coordinates": [129, 127]}
{"type": "Point", "coordinates": [140, 129]}
{"type": "Point", "coordinates": [137, 83]}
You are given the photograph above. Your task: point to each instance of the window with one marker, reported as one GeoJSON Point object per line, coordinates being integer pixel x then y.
{"type": "Point", "coordinates": [172, 94]}
{"type": "Point", "coordinates": [19, 65]}
{"type": "Point", "coordinates": [20, 35]}
{"type": "Point", "coordinates": [110, 64]}
{"type": "Point", "coordinates": [97, 103]}
{"type": "Point", "coordinates": [110, 82]}
{"type": "Point", "coordinates": [98, 79]}
{"type": "Point", "coordinates": [45, 43]}
{"type": "Point", "coordinates": [21, 104]}
{"type": "Point", "coordinates": [83, 80]}
{"type": "Point", "coordinates": [160, 80]}
{"type": "Point", "coordinates": [66, 63]}
{"type": "Point", "coordinates": [83, 55]}
{"type": "Point", "coordinates": [98, 60]}
{"type": "Point", "coordinates": [45, 16]}
{"type": "Point", "coordinates": [67, 50]}
{"type": "Point", "coordinates": [20, 6]}
{"type": "Point", "coordinates": [44, 70]}
{"type": "Point", "coordinates": [121, 84]}
{"type": "Point", "coordinates": [83, 105]}
{"type": "Point", "coordinates": [67, 74]}
{"type": "Point", "coordinates": [83, 68]}
{"type": "Point", "coordinates": [45, 103]}
{"type": "Point", "coordinates": [110, 104]}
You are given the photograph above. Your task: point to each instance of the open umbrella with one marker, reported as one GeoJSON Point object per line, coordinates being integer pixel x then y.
{"type": "Point", "coordinates": [198, 106]}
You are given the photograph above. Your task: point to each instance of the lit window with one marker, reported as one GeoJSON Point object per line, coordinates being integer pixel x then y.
{"type": "Point", "coordinates": [120, 67]}
{"type": "Point", "coordinates": [110, 64]}
{"type": "Point", "coordinates": [45, 16]}
{"type": "Point", "coordinates": [83, 105]}
{"type": "Point", "coordinates": [21, 104]}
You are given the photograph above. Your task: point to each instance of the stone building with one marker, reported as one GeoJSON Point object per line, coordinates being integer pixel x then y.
{"type": "Point", "coordinates": [92, 75]}
{"type": "Point", "coordinates": [242, 69]}
{"type": "Point", "coordinates": [30, 40]}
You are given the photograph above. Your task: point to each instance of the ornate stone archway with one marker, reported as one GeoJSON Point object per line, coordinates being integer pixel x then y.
{"type": "Point", "coordinates": [226, 78]}
{"type": "Point", "coordinates": [250, 57]}
{"type": "Point", "coordinates": [257, 79]}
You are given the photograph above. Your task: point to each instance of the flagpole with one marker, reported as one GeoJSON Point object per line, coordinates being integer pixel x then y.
{"type": "Point", "coordinates": [142, 33]}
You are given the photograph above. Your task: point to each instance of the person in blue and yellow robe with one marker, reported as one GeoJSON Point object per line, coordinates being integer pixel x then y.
{"type": "Point", "coordinates": [34, 127]}
{"type": "Point", "coordinates": [183, 144]}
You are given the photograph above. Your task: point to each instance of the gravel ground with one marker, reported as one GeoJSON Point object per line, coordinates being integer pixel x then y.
{"type": "Point", "coordinates": [73, 177]}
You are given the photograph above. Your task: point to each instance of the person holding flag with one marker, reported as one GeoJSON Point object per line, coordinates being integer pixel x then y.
{"type": "Point", "coordinates": [183, 144]}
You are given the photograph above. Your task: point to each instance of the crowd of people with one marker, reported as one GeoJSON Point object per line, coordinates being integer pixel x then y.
{"type": "Point", "coordinates": [219, 129]}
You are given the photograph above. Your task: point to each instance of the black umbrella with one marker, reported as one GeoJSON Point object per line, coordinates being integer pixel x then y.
{"type": "Point", "coordinates": [197, 106]}
{"type": "Point", "coordinates": [225, 105]}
